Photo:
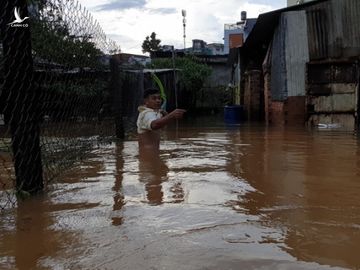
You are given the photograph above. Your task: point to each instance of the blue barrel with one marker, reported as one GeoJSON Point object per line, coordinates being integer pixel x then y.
{"type": "Point", "coordinates": [234, 114]}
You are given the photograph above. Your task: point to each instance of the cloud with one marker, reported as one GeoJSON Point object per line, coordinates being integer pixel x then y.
{"type": "Point", "coordinates": [162, 10]}
{"type": "Point", "coordinates": [119, 37]}
{"type": "Point", "coordinates": [121, 5]}
{"type": "Point", "coordinates": [129, 21]}
{"type": "Point", "coordinates": [126, 41]}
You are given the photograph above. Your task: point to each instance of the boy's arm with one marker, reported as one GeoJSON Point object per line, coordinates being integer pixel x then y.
{"type": "Point", "coordinates": [159, 123]}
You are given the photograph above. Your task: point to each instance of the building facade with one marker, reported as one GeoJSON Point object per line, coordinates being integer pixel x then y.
{"type": "Point", "coordinates": [235, 34]}
{"type": "Point", "coordinates": [308, 56]}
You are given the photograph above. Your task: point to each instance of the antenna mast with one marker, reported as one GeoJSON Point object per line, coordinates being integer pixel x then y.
{"type": "Point", "coordinates": [183, 12]}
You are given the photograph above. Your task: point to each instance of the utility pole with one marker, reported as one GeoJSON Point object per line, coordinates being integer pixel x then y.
{"type": "Point", "coordinates": [183, 12]}
{"type": "Point", "coordinates": [174, 72]}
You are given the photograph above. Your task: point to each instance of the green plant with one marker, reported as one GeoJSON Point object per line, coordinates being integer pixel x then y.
{"type": "Point", "coordinates": [192, 73]}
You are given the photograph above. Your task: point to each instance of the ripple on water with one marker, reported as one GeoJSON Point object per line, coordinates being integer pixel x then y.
{"type": "Point", "coordinates": [253, 198]}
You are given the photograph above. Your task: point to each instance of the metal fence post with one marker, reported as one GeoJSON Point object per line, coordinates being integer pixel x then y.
{"type": "Point", "coordinates": [358, 97]}
{"type": "Point", "coordinates": [116, 93]}
{"type": "Point", "coordinates": [22, 99]}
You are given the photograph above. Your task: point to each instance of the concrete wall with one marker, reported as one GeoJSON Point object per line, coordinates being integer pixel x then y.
{"type": "Point", "coordinates": [332, 96]}
{"type": "Point", "coordinates": [221, 75]}
{"type": "Point", "coordinates": [212, 94]}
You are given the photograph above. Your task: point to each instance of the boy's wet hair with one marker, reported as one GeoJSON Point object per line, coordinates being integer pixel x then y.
{"type": "Point", "coordinates": [151, 91]}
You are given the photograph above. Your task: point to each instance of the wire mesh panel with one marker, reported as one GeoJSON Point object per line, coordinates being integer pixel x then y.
{"type": "Point", "coordinates": [55, 99]}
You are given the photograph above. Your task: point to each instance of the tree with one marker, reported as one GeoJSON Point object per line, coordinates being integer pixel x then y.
{"type": "Point", "coordinates": [57, 41]}
{"type": "Point", "coordinates": [192, 73]}
{"type": "Point", "coordinates": [151, 44]}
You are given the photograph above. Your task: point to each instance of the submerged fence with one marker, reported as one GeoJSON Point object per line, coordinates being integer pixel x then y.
{"type": "Point", "coordinates": [56, 99]}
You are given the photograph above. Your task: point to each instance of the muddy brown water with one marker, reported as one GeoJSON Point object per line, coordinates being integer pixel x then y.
{"type": "Point", "coordinates": [245, 197]}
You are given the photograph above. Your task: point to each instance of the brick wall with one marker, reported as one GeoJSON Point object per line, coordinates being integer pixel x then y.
{"type": "Point", "coordinates": [267, 96]}
{"type": "Point", "coordinates": [258, 102]}
{"type": "Point", "coordinates": [295, 111]}
{"type": "Point", "coordinates": [290, 112]}
{"type": "Point", "coordinates": [254, 95]}
{"type": "Point", "coordinates": [277, 113]}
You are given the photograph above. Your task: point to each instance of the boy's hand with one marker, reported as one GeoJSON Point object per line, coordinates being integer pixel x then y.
{"type": "Point", "coordinates": [177, 113]}
{"type": "Point", "coordinates": [163, 112]}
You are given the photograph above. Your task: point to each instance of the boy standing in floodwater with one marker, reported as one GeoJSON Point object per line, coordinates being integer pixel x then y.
{"type": "Point", "coordinates": [151, 118]}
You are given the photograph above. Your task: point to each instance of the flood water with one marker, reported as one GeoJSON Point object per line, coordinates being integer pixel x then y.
{"type": "Point", "coordinates": [245, 197]}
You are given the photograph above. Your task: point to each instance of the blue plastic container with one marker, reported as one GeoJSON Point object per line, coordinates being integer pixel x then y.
{"type": "Point", "coordinates": [234, 114]}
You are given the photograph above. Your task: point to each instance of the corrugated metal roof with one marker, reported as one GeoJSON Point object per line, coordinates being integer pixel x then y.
{"type": "Point", "coordinates": [256, 44]}
{"type": "Point", "coordinates": [333, 29]}
{"type": "Point", "coordinates": [265, 25]}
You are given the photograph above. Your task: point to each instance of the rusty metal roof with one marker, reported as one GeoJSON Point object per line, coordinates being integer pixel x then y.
{"type": "Point", "coordinates": [263, 30]}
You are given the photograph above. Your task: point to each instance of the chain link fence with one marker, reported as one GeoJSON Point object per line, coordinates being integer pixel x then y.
{"type": "Point", "coordinates": [55, 96]}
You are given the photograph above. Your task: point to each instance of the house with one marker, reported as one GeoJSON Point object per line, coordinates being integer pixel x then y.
{"type": "Point", "coordinates": [300, 65]}
{"type": "Point", "coordinates": [234, 37]}
{"type": "Point", "coordinates": [200, 47]}
{"type": "Point", "coordinates": [216, 48]}
{"type": "Point", "coordinates": [235, 34]}
{"type": "Point", "coordinates": [132, 60]}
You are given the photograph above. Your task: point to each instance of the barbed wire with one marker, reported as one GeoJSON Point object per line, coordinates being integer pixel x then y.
{"type": "Point", "coordinates": [55, 100]}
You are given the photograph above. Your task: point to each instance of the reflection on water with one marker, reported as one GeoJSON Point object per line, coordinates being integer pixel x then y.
{"type": "Point", "coordinates": [28, 239]}
{"type": "Point", "coordinates": [216, 197]}
{"type": "Point", "coordinates": [117, 188]}
{"type": "Point", "coordinates": [152, 172]}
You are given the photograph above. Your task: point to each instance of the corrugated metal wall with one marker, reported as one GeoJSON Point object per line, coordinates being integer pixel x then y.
{"type": "Point", "coordinates": [350, 27]}
{"type": "Point", "coordinates": [290, 53]}
{"type": "Point", "coordinates": [333, 29]}
{"type": "Point", "coordinates": [318, 31]}
{"type": "Point", "coordinates": [278, 63]}
{"type": "Point", "coordinates": [327, 36]}
{"type": "Point", "coordinates": [297, 52]}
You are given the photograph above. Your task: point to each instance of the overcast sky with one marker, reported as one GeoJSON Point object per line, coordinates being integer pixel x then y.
{"type": "Point", "coordinates": [128, 22]}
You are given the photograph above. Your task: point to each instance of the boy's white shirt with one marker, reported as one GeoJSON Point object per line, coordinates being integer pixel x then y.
{"type": "Point", "coordinates": [146, 116]}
